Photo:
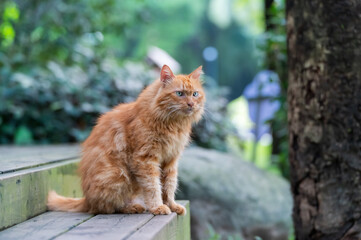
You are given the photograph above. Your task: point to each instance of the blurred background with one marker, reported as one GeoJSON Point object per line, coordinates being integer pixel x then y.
{"type": "Point", "coordinates": [65, 62]}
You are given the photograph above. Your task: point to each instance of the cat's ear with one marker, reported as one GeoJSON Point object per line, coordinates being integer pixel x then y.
{"type": "Point", "coordinates": [196, 73]}
{"type": "Point", "coordinates": [166, 75]}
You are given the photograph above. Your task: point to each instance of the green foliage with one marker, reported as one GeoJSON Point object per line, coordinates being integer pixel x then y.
{"type": "Point", "coordinates": [9, 16]}
{"type": "Point", "coordinates": [184, 28]}
{"type": "Point", "coordinates": [62, 65]}
{"type": "Point", "coordinates": [274, 48]}
{"type": "Point", "coordinates": [55, 76]}
{"type": "Point", "coordinates": [273, 42]}
{"type": "Point", "coordinates": [213, 235]}
{"type": "Point", "coordinates": [23, 135]}
{"type": "Point", "coordinates": [61, 103]}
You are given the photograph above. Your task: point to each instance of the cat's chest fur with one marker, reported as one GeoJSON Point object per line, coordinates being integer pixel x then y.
{"type": "Point", "coordinates": [171, 145]}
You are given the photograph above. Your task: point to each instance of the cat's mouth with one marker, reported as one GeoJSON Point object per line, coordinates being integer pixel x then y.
{"type": "Point", "coordinates": [189, 111]}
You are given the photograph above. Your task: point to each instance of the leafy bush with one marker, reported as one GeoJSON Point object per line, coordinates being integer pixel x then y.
{"type": "Point", "coordinates": [58, 71]}
{"type": "Point", "coordinates": [61, 104]}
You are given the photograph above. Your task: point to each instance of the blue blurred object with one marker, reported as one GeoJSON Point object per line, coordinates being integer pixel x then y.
{"type": "Point", "coordinates": [210, 57]}
{"type": "Point", "coordinates": [261, 94]}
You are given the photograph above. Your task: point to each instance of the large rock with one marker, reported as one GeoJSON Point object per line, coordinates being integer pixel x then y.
{"type": "Point", "coordinates": [233, 196]}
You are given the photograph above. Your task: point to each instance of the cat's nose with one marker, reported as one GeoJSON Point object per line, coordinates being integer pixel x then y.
{"type": "Point", "coordinates": [190, 104]}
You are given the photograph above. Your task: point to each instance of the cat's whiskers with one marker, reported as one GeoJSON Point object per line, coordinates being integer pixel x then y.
{"type": "Point", "coordinates": [207, 114]}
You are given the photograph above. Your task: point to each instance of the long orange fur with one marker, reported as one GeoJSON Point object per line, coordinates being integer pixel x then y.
{"type": "Point", "coordinates": [129, 161]}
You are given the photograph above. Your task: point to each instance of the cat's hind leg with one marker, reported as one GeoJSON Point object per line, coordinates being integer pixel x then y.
{"type": "Point", "coordinates": [133, 208]}
{"type": "Point", "coordinates": [136, 204]}
{"type": "Point", "coordinates": [108, 190]}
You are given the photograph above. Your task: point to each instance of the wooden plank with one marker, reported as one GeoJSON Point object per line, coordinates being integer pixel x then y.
{"type": "Point", "coordinates": [165, 227]}
{"type": "Point", "coordinates": [133, 227]}
{"type": "Point", "coordinates": [45, 226]}
{"type": "Point", "coordinates": [23, 193]}
{"type": "Point", "coordinates": [107, 226]}
{"type": "Point", "coordinates": [162, 227]}
{"type": "Point", "coordinates": [184, 222]}
{"type": "Point", "coordinates": [14, 158]}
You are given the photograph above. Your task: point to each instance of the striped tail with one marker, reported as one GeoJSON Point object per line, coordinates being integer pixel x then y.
{"type": "Point", "coordinates": [65, 204]}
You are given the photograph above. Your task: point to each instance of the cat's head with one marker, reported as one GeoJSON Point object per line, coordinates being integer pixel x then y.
{"type": "Point", "coordinates": [182, 95]}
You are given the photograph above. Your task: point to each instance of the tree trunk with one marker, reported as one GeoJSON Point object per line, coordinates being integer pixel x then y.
{"type": "Point", "coordinates": [324, 97]}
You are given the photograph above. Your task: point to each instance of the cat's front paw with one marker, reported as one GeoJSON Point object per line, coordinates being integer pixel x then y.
{"type": "Point", "coordinates": [161, 210]}
{"type": "Point", "coordinates": [179, 209]}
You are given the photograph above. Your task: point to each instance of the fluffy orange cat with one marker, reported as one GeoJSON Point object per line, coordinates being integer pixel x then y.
{"type": "Point", "coordinates": [129, 161]}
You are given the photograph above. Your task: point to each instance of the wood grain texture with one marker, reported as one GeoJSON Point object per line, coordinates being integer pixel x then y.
{"type": "Point", "coordinates": [14, 158]}
{"type": "Point", "coordinates": [78, 226]}
{"type": "Point", "coordinates": [45, 226]}
{"type": "Point", "coordinates": [184, 222]}
{"type": "Point", "coordinates": [108, 226]}
{"type": "Point", "coordinates": [23, 193]}
{"type": "Point", "coordinates": [26, 176]}
{"type": "Point", "coordinates": [162, 227]}
{"type": "Point", "coordinates": [165, 227]}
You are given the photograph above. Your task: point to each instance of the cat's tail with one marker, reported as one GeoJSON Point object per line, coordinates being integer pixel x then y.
{"type": "Point", "coordinates": [65, 204]}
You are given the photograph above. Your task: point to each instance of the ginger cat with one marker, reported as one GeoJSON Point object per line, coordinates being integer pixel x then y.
{"type": "Point", "coordinates": [129, 161]}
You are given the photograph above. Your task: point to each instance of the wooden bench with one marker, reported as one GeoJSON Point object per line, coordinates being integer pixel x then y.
{"type": "Point", "coordinates": [26, 176]}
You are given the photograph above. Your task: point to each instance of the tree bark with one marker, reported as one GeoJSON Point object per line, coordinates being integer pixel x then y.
{"type": "Point", "coordinates": [324, 98]}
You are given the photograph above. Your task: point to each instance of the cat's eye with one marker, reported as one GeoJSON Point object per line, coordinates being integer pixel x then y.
{"type": "Point", "coordinates": [195, 94]}
{"type": "Point", "coordinates": [179, 93]}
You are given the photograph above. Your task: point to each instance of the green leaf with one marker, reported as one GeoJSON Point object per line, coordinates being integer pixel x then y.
{"type": "Point", "coordinates": [11, 12]}
{"type": "Point", "coordinates": [7, 32]}
{"type": "Point", "coordinates": [23, 135]}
